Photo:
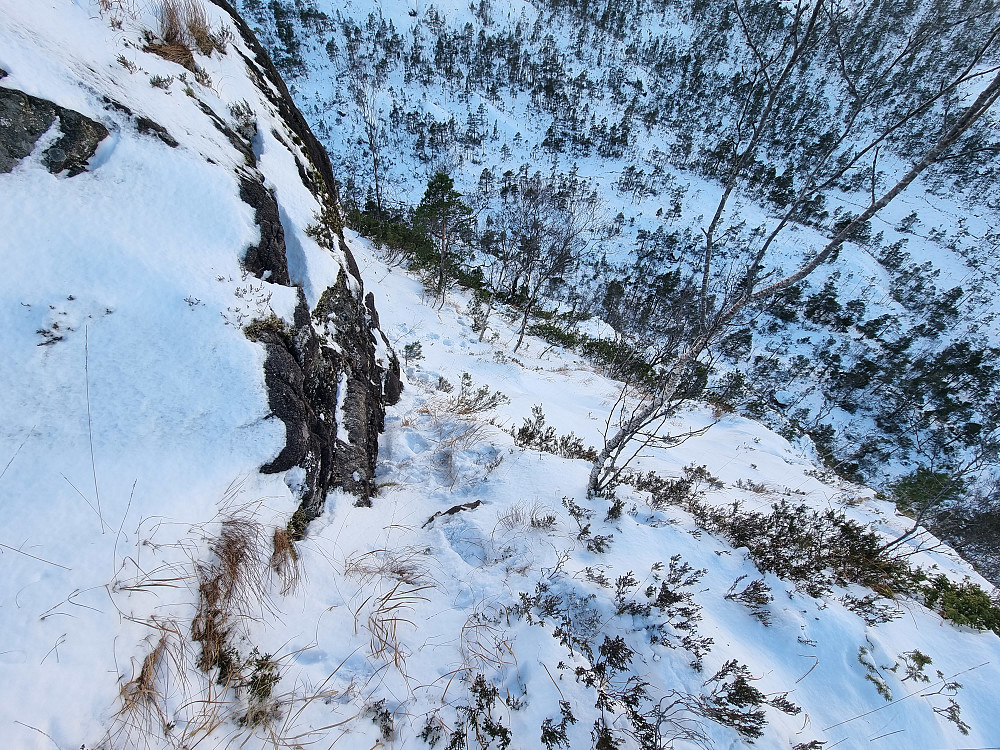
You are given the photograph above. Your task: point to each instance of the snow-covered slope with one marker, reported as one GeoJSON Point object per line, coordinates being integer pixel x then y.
{"type": "Point", "coordinates": [154, 596]}
{"type": "Point", "coordinates": [132, 399]}
{"type": "Point", "coordinates": [883, 357]}
{"type": "Point", "coordinates": [471, 571]}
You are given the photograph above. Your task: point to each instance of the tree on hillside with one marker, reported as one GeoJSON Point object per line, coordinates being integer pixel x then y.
{"type": "Point", "coordinates": [868, 103]}
{"type": "Point", "coordinates": [447, 220]}
{"type": "Point", "coordinates": [741, 290]}
{"type": "Point", "coordinates": [368, 55]}
{"type": "Point", "coordinates": [537, 238]}
{"type": "Point", "coordinates": [365, 100]}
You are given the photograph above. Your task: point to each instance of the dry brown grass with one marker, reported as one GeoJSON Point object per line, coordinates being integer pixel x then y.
{"type": "Point", "coordinates": [485, 642]}
{"type": "Point", "coordinates": [232, 586]}
{"type": "Point", "coordinates": [459, 424]}
{"type": "Point", "coordinates": [395, 579]}
{"type": "Point", "coordinates": [142, 701]}
{"type": "Point", "coordinates": [142, 711]}
{"type": "Point", "coordinates": [184, 25]}
{"type": "Point", "coordinates": [522, 517]}
{"type": "Point", "coordinates": [185, 22]}
{"type": "Point", "coordinates": [223, 696]}
{"type": "Point", "coordinates": [453, 433]}
{"type": "Point", "coordinates": [407, 564]}
{"type": "Point", "coordinates": [386, 616]}
{"type": "Point", "coordinates": [175, 53]}
{"type": "Point", "coordinates": [285, 560]}
{"type": "Point", "coordinates": [198, 28]}
{"type": "Point", "coordinates": [117, 10]}
{"type": "Point", "coordinates": [173, 29]}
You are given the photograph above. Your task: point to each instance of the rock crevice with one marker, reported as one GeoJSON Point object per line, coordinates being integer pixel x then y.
{"type": "Point", "coordinates": [325, 384]}
{"type": "Point", "coordinates": [266, 259]}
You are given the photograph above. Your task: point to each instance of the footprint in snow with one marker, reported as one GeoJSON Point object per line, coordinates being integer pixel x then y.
{"type": "Point", "coordinates": [466, 541]}
{"type": "Point", "coordinates": [416, 442]}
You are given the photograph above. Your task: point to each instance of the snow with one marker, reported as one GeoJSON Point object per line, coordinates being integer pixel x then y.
{"type": "Point", "coordinates": [147, 402]}
{"type": "Point", "coordinates": [125, 442]}
{"type": "Point", "coordinates": [953, 234]}
{"type": "Point", "coordinates": [473, 553]}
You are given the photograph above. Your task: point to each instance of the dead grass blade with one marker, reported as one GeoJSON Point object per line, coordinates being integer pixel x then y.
{"type": "Point", "coordinates": [285, 560]}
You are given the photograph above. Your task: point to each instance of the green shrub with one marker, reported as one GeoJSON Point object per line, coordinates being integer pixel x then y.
{"type": "Point", "coordinates": [261, 328]}
{"type": "Point", "coordinates": [620, 359]}
{"type": "Point", "coordinates": [413, 352]}
{"type": "Point", "coordinates": [535, 434]}
{"type": "Point", "coordinates": [477, 720]}
{"type": "Point", "coordinates": [681, 492]}
{"type": "Point", "coordinates": [923, 488]}
{"type": "Point", "coordinates": [555, 334]}
{"type": "Point", "coordinates": [818, 549]}
{"type": "Point", "coordinates": [554, 735]}
{"type": "Point", "coordinates": [964, 603]}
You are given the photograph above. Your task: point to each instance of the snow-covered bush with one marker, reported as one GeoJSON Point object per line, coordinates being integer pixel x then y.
{"type": "Point", "coordinates": [536, 435]}
{"type": "Point", "coordinates": [816, 549]}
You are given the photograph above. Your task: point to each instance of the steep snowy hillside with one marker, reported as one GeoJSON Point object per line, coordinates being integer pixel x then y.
{"type": "Point", "coordinates": [161, 197]}
{"type": "Point", "coordinates": [883, 356]}
{"type": "Point", "coordinates": [692, 613]}
{"type": "Point", "coordinates": [201, 548]}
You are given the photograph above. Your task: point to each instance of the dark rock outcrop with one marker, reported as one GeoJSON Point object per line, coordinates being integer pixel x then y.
{"type": "Point", "coordinates": [325, 384]}
{"type": "Point", "coordinates": [27, 118]}
{"type": "Point", "coordinates": [238, 142]}
{"type": "Point", "coordinates": [267, 258]}
{"type": "Point", "coordinates": [325, 377]}
{"type": "Point", "coordinates": [272, 85]}
{"type": "Point", "coordinates": [392, 379]}
{"type": "Point", "coordinates": [143, 124]}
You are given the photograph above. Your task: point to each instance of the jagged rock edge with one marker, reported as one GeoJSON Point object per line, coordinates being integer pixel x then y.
{"type": "Point", "coordinates": [78, 141]}
{"type": "Point", "coordinates": [323, 368]}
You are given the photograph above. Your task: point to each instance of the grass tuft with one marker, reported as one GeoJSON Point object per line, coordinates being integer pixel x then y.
{"type": "Point", "coordinates": [142, 710]}
{"type": "Point", "coordinates": [183, 26]}
{"type": "Point", "coordinates": [175, 53]}
{"type": "Point", "coordinates": [231, 586]}
{"type": "Point", "coordinates": [285, 560]}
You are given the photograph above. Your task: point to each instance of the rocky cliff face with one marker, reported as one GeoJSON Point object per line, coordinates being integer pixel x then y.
{"type": "Point", "coordinates": [27, 118]}
{"type": "Point", "coordinates": [331, 374]}
{"type": "Point", "coordinates": [190, 367]}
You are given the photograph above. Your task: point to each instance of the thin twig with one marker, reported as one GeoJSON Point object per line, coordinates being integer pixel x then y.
{"type": "Point", "coordinates": [33, 557]}
{"type": "Point", "coordinates": [114, 554]}
{"type": "Point", "coordinates": [59, 641]}
{"type": "Point", "coordinates": [37, 730]}
{"type": "Point", "coordinates": [553, 680]}
{"type": "Point", "coordinates": [90, 423]}
{"type": "Point", "coordinates": [899, 700]}
{"type": "Point", "coordinates": [816, 664]}
{"type": "Point", "coordinates": [8, 466]}
{"type": "Point", "coordinates": [85, 498]}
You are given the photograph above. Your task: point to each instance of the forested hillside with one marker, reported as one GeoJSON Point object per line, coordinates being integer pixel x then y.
{"type": "Point", "coordinates": [680, 155]}
{"type": "Point", "coordinates": [620, 376]}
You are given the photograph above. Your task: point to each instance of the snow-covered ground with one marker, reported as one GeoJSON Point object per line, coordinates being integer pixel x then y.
{"type": "Point", "coordinates": [425, 74]}
{"type": "Point", "coordinates": [478, 561]}
{"type": "Point", "coordinates": [130, 446]}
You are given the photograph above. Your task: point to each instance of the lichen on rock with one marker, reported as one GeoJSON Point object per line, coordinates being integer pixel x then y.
{"type": "Point", "coordinates": [324, 383]}
{"type": "Point", "coordinates": [330, 373]}
{"type": "Point", "coordinates": [267, 258]}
